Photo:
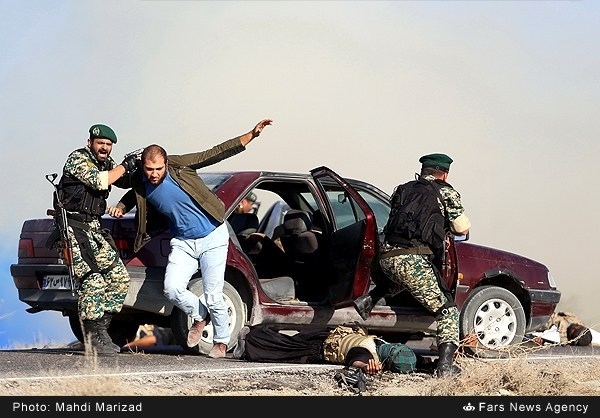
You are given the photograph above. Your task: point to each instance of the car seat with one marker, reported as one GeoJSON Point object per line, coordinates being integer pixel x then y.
{"type": "Point", "coordinates": [301, 247]}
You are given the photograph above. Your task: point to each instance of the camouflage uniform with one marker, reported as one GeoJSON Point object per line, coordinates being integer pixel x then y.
{"type": "Point", "coordinates": [98, 292]}
{"type": "Point", "coordinates": [415, 273]}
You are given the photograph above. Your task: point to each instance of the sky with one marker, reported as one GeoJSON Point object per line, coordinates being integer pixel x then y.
{"type": "Point", "coordinates": [509, 89]}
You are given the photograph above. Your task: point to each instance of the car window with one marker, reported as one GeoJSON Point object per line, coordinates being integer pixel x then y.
{"type": "Point", "coordinates": [310, 200]}
{"type": "Point", "coordinates": [345, 209]}
{"type": "Point", "coordinates": [380, 208]}
{"type": "Point", "coordinates": [213, 180]}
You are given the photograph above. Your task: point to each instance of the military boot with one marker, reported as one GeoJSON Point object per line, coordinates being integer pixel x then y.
{"type": "Point", "coordinates": [445, 366]}
{"type": "Point", "coordinates": [103, 324]}
{"type": "Point", "coordinates": [363, 305]}
{"type": "Point", "coordinates": [94, 343]}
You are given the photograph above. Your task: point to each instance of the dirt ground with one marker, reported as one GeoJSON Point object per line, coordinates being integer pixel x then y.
{"type": "Point", "coordinates": [517, 374]}
{"type": "Point", "coordinates": [514, 377]}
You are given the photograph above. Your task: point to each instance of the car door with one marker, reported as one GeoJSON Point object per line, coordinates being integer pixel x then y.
{"type": "Point", "coordinates": [353, 238]}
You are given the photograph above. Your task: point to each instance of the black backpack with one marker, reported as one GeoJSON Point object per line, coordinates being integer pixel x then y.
{"type": "Point", "coordinates": [415, 218]}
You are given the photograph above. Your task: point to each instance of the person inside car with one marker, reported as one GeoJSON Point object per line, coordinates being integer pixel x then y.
{"type": "Point", "coordinates": [247, 204]}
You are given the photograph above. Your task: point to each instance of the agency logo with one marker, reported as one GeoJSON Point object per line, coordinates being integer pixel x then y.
{"type": "Point", "coordinates": [468, 407]}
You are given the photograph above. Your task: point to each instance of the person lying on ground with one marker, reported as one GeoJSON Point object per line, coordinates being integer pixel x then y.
{"type": "Point", "coordinates": [347, 345]}
{"type": "Point", "coordinates": [570, 328]}
{"type": "Point", "coordinates": [149, 335]}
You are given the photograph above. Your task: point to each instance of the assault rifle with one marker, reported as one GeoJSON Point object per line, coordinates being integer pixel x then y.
{"type": "Point", "coordinates": [61, 223]}
{"type": "Point", "coordinates": [353, 377]}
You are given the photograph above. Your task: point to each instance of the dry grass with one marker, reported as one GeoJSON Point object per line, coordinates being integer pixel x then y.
{"type": "Point", "coordinates": [522, 377]}
{"type": "Point", "coordinates": [516, 376]}
{"type": "Point", "coordinates": [516, 372]}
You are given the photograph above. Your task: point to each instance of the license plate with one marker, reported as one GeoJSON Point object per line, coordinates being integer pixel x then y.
{"type": "Point", "coordinates": [58, 282]}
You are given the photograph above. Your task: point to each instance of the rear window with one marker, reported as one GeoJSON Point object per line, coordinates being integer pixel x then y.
{"type": "Point", "coordinates": [213, 181]}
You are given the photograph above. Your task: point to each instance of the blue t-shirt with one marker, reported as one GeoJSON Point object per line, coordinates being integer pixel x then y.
{"type": "Point", "coordinates": [187, 219]}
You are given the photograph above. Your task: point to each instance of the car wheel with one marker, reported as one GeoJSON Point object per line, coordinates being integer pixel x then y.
{"type": "Point", "coordinates": [76, 326]}
{"type": "Point", "coordinates": [120, 331]}
{"type": "Point", "coordinates": [492, 319]}
{"type": "Point", "coordinates": [236, 310]}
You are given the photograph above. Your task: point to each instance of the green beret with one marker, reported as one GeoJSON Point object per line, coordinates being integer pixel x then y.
{"type": "Point", "coordinates": [102, 131]}
{"type": "Point", "coordinates": [438, 161]}
{"type": "Point", "coordinates": [251, 197]}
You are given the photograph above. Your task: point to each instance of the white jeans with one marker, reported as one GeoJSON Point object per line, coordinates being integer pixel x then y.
{"type": "Point", "coordinates": [209, 254]}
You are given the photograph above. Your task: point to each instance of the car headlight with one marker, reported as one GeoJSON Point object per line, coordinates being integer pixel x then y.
{"type": "Point", "coordinates": [551, 280]}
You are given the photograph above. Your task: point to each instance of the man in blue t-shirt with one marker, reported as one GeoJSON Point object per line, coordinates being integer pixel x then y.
{"type": "Point", "coordinates": [168, 192]}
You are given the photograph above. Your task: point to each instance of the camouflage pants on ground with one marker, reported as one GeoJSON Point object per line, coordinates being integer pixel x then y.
{"type": "Point", "coordinates": [99, 292]}
{"type": "Point", "coordinates": [415, 274]}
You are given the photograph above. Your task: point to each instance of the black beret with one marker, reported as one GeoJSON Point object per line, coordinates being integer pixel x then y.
{"type": "Point", "coordinates": [438, 161]}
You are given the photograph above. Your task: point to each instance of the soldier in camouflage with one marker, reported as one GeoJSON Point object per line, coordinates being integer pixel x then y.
{"type": "Point", "coordinates": [412, 265]}
{"type": "Point", "coordinates": [103, 280]}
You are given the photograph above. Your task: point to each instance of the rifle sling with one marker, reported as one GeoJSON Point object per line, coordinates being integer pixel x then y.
{"type": "Point", "coordinates": [85, 249]}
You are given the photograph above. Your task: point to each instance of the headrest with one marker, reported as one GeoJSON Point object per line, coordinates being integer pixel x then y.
{"type": "Point", "coordinates": [244, 223]}
{"type": "Point", "coordinates": [296, 222]}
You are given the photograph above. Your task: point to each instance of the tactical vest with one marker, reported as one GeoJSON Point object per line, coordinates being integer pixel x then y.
{"type": "Point", "coordinates": [415, 217]}
{"type": "Point", "coordinates": [77, 197]}
{"type": "Point", "coordinates": [342, 339]}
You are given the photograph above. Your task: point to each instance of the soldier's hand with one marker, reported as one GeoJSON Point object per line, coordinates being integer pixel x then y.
{"type": "Point", "coordinates": [130, 163]}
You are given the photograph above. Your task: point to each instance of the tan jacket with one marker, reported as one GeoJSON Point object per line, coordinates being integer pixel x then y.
{"type": "Point", "coordinates": [342, 339]}
{"type": "Point", "coordinates": [562, 320]}
{"type": "Point", "coordinates": [149, 222]}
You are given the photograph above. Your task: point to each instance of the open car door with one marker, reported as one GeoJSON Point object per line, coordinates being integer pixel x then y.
{"type": "Point", "coordinates": [354, 239]}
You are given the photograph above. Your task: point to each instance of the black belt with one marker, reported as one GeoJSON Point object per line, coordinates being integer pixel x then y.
{"type": "Point", "coordinates": [421, 249]}
{"type": "Point", "coordinates": [82, 217]}
{"type": "Point", "coordinates": [80, 220]}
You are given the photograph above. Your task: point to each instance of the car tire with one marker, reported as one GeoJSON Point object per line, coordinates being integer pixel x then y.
{"type": "Point", "coordinates": [76, 327]}
{"type": "Point", "coordinates": [236, 309]}
{"type": "Point", "coordinates": [491, 321]}
{"type": "Point", "coordinates": [121, 332]}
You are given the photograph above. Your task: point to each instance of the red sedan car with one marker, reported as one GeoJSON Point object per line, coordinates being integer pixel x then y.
{"type": "Point", "coordinates": [299, 264]}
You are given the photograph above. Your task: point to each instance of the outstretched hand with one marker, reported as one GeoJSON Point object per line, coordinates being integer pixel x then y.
{"type": "Point", "coordinates": [250, 135]}
{"type": "Point", "coordinates": [260, 126]}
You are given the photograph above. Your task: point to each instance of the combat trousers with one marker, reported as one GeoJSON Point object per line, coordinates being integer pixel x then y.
{"type": "Point", "coordinates": [415, 273]}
